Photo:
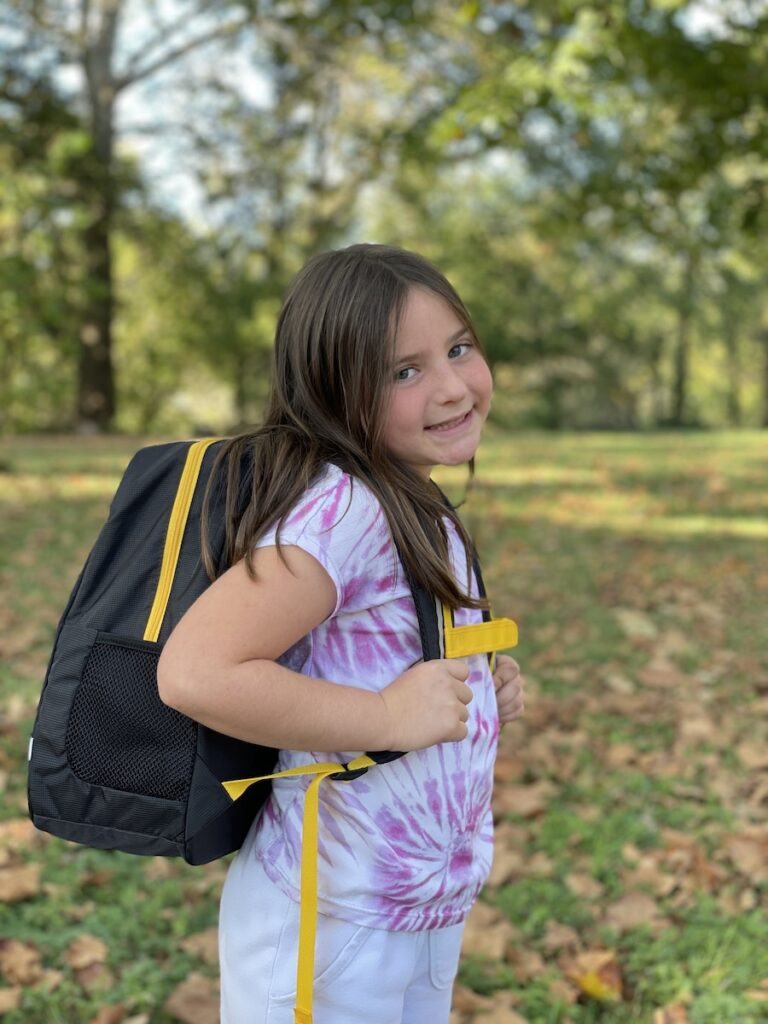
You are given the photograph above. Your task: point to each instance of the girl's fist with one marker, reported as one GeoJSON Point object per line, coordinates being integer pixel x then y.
{"type": "Point", "coordinates": [509, 686]}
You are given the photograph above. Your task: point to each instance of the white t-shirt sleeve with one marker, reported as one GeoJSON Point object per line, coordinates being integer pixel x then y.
{"type": "Point", "coordinates": [341, 524]}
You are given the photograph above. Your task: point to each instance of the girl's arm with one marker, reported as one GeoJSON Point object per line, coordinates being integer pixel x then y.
{"type": "Point", "coordinates": [218, 668]}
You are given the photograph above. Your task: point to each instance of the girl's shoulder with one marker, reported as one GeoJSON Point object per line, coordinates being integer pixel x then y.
{"type": "Point", "coordinates": [341, 523]}
{"type": "Point", "coordinates": [333, 497]}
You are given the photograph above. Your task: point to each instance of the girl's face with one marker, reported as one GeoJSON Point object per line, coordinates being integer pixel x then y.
{"type": "Point", "coordinates": [441, 392]}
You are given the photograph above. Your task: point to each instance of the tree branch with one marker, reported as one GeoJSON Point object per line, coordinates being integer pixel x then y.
{"type": "Point", "coordinates": [163, 36]}
{"type": "Point", "coordinates": [129, 78]}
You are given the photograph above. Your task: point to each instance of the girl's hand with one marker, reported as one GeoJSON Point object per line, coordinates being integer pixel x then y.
{"type": "Point", "coordinates": [427, 704]}
{"type": "Point", "coordinates": [509, 686]}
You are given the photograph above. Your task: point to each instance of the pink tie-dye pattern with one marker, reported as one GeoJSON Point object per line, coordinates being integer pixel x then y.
{"type": "Point", "coordinates": [407, 846]}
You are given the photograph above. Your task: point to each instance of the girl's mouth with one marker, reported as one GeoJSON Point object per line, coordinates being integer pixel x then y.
{"type": "Point", "coordinates": [450, 425]}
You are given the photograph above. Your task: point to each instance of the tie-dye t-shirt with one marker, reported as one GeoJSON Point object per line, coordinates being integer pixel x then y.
{"type": "Point", "coordinates": [408, 845]}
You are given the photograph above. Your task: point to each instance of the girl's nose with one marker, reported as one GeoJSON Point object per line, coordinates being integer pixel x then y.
{"type": "Point", "coordinates": [450, 385]}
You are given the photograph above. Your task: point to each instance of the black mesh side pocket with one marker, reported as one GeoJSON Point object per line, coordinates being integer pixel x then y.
{"type": "Point", "coordinates": [120, 734]}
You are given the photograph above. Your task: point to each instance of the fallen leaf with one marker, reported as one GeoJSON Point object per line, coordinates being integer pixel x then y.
{"type": "Point", "coordinates": [465, 1000]}
{"type": "Point", "coordinates": [753, 754]}
{"type": "Point", "coordinates": [750, 855]}
{"type": "Point", "coordinates": [10, 999]}
{"type": "Point", "coordinates": [560, 936]}
{"type": "Point", "coordinates": [20, 963]}
{"type": "Point", "coordinates": [205, 945]}
{"type": "Point", "coordinates": [527, 801]}
{"type": "Point", "coordinates": [18, 834]}
{"type": "Point", "coordinates": [584, 886]}
{"type": "Point", "coordinates": [525, 963]}
{"type": "Point", "coordinates": [195, 1001]}
{"type": "Point", "coordinates": [596, 974]}
{"type": "Point", "coordinates": [84, 951]}
{"type": "Point", "coordinates": [633, 909]}
{"type": "Point", "coordinates": [635, 623]}
{"type": "Point", "coordinates": [508, 768]}
{"type": "Point", "coordinates": [96, 977]}
{"type": "Point", "coordinates": [506, 864]}
{"type": "Point", "coordinates": [19, 883]}
{"type": "Point", "coordinates": [109, 1015]}
{"type": "Point", "coordinates": [674, 1013]}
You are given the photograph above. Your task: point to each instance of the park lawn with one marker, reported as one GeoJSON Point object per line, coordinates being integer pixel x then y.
{"type": "Point", "coordinates": [630, 881]}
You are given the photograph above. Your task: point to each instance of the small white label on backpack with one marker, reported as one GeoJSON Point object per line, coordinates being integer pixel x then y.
{"type": "Point", "coordinates": [31, 741]}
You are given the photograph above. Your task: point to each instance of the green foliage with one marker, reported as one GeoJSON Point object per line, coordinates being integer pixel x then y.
{"type": "Point", "coordinates": [591, 177]}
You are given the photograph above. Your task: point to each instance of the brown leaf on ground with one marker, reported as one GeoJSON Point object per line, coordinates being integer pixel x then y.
{"type": "Point", "coordinates": [525, 963]}
{"type": "Point", "coordinates": [596, 973]}
{"type": "Point", "coordinates": [205, 945]}
{"type": "Point", "coordinates": [19, 883]}
{"type": "Point", "coordinates": [563, 991]}
{"type": "Point", "coordinates": [749, 852]}
{"type": "Point", "coordinates": [508, 768]}
{"type": "Point", "coordinates": [648, 871]}
{"type": "Point", "coordinates": [20, 962]}
{"type": "Point", "coordinates": [635, 623]}
{"type": "Point", "coordinates": [527, 801]}
{"type": "Point", "coordinates": [18, 834]}
{"type": "Point", "coordinates": [584, 886]}
{"type": "Point", "coordinates": [80, 911]}
{"type": "Point", "coordinates": [662, 674]}
{"type": "Point", "coordinates": [110, 1015]}
{"type": "Point", "coordinates": [50, 980]}
{"type": "Point", "coordinates": [96, 977]}
{"type": "Point", "coordinates": [84, 951]}
{"type": "Point", "coordinates": [507, 864]}
{"type": "Point", "coordinates": [465, 1000]}
{"type": "Point", "coordinates": [618, 755]}
{"type": "Point", "coordinates": [10, 999]}
{"type": "Point", "coordinates": [753, 754]}
{"type": "Point", "coordinates": [195, 1001]}
{"type": "Point", "coordinates": [674, 1013]}
{"type": "Point", "coordinates": [540, 865]}
{"type": "Point", "coordinates": [633, 909]}
{"type": "Point", "coordinates": [500, 1014]}
{"type": "Point", "coordinates": [757, 791]}
{"type": "Point", "coordinates": [560, 936]}
{"type": "Point", "coordinates": [490, 941]}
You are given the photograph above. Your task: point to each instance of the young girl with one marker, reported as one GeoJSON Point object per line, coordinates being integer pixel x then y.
{"type": "Point", "coordinates": [310, 643]}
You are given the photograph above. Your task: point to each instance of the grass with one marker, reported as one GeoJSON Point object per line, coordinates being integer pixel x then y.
{"type": "Point", "coordinates": [636, 568]}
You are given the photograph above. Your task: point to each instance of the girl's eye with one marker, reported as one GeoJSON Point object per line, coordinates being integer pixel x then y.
{"type": "Point", "coordinates": [403, 374]}
{"type": "Point", "coordinates": [464, 345]}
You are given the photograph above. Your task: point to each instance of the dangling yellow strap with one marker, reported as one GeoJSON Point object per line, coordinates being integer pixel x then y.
{"type": "Point", "coordinates": [305, 969]}
{"type": "Point", "coordinates": [477, 638]}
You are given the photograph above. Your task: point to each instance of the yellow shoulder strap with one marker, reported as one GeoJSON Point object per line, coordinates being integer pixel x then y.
{"type": "Point", "coordinates": [175, 534]}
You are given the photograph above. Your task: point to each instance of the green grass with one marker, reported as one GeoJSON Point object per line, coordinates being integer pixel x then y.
{"type": "Point", "coordinates": [670, 527]}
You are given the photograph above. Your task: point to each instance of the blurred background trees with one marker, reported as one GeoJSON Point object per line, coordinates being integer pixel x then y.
{"type": "Point", "coordinates": [591, 177]}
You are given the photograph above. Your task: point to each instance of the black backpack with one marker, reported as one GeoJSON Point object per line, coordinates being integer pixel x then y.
{"type": "Point", "coordinates": [110, 765]}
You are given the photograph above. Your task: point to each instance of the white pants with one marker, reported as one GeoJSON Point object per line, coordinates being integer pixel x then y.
{"type": "Point", "coordinates": [361, 974]}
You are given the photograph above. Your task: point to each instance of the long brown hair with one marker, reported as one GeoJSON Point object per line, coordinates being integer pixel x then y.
{"type": "Point", "coordinates": [333, 367]}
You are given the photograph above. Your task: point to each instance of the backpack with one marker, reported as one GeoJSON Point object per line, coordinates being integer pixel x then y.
{"type": "Point", "coordinates": [110, 765]}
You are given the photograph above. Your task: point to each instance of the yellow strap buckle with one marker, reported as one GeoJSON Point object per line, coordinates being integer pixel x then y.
{"type": "Point", "coordinates": [477, 638]}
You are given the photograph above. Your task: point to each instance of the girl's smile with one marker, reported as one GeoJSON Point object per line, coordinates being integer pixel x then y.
{"type": "Point", "coordinates": [450, 425]}
{"type": "Point", "coordinates": [442, 386]}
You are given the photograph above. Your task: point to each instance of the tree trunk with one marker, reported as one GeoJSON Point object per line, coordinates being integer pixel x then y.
{"type": "Point", "coordinates": [733, 398]}
{"type": "Point", "coordinates": [682, 342]}
{"type": "Point", "coordinates": [96, 385]}
{"type": "Point", "coordinates": [658, 394]}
